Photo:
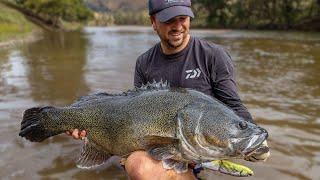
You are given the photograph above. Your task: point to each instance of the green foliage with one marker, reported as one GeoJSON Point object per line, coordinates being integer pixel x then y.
{"type": "Point", "coordinates": [252, 14]}
{"type": "Point", "coordinates": [131, 17]}
{"type": "Point", "coordinates": [68, 10]}
{"type": "Point", "coordinates": [121, 18]}
{"type": "Point", "coordinates": [102, 19]}
{"type": "Point", "coordinates": [257, 14]}
{"type": "Point", "coordinates": [265, 14]}
{"type": "Point", "coordinates": [13, 24]}
{"type": "Point", "coordinates": [201, 16]}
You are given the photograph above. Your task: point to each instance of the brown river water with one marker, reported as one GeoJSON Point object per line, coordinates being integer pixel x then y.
{"type": "Point", "coordinates": [278, 75]}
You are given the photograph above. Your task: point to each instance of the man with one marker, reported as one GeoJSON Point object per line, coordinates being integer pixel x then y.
{"type": "Point", "coordinates": [186, 61]}
{"type": "Point", "coordinates": [183, 61]}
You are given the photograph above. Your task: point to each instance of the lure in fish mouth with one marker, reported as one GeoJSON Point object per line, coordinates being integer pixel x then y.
{"type": "Point", "coordinates": [174, 125]}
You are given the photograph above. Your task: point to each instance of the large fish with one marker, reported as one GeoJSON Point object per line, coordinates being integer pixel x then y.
{"type": "Point", "coordinates": [175, 125]}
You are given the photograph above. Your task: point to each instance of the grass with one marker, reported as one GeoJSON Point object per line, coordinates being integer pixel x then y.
{"type": "Point", "coordinates": [13, 25]}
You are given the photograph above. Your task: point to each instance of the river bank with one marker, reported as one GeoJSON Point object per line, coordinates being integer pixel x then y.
{"type": "Point", "coordinates": [20, 39]}
{"type": "Point", "coordinates": [15, 28]}
{"type": "Point", "coordinates": [18, 25]}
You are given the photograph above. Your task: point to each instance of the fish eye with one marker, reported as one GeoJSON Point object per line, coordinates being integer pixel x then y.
{"type": "Point", "coordinates": [243, 125]}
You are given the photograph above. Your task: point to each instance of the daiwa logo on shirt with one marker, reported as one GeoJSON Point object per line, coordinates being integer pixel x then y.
{"type": "Point", "coordinates": [193, 73]}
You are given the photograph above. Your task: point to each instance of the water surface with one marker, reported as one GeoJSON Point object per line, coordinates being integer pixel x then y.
{"type": "Point", "coordinates": [277, 74]}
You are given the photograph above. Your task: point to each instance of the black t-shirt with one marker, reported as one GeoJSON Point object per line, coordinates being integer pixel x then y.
{"type": "Point", "coordinates": [202, 66]}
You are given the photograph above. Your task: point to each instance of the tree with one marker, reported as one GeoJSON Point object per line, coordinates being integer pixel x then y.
{"type": "Point", "coordinates": [259, 14]}
{"type": "Point", "coordinates": [69, 10]}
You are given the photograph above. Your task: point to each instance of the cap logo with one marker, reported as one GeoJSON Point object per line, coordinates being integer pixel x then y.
{"type": "Point", "coordinates": [173, 1]}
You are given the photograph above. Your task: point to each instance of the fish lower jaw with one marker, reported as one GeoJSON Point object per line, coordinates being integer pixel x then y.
{"type": "Point", "coordinates": [249, 153]}
{"type": "Point", "coordinates": [191, 154]}
{"type": "Point", "coordinates": [251, 143]}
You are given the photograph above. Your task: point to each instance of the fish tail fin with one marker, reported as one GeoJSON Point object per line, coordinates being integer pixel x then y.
{"type": "Point", "coordinates": [32, 126]}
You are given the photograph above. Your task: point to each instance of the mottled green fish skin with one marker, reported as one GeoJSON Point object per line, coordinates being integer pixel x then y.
{"type": "Point", "coordinates": [117, 123]}
{"type": "Point", "coordinates": [120, 124]}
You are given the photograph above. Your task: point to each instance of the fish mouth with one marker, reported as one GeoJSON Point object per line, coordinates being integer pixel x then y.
{"type": "Point", "coordinates": [248, 145]}
{"type": "Point", "coordinates": [254, 144]}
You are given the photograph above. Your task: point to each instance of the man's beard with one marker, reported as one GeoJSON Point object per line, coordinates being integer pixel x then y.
{"type": "Point", "coordinates": [173, 45]}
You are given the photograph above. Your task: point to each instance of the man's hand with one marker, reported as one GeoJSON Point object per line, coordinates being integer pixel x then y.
{"type": "Point", "coordinates": [260, 154]}
{"type": "Point", "coordinates": [139, 165]}
{"type": "Point", "coordinates": [76, 134]}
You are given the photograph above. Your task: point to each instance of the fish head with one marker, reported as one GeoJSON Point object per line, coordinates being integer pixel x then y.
{"type": "Point", "coordinates": [212, 131]}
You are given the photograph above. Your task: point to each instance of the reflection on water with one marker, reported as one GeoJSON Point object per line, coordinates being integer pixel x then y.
{"type": "Point", "coordinates": [111, 56]}
{"type": "Point", "coordinates": [277, 72]}
{"type": "Point", "coordinates": [56, 67]}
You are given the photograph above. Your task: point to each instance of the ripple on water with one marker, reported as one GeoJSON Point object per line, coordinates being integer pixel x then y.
{"type": "Point", "coordinates": [15, 175]}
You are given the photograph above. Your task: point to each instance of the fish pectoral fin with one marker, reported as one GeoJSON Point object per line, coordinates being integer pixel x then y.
{"type": "Point", "coordinates": [159, 147]}
{"type": "Point", "coordinates": [92, 156]}
{"type": "Point", "coordinates": [178, 166]}
{"type": "Point", "coordinates": [181, 167]}
{"type": "Point", "coordinates": [151, 141]}
{"type": "Point", "coordinates": [162, 152]}
{"type": "Point", "coordinates": [168, 163]}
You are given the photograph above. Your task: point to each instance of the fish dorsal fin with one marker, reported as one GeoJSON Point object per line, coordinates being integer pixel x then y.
{"type": "Point", "coordinates": [94, 96]}
{"type": "Point", "coordinates": [91, 156]}
{"type": "Point", "coordinates": [90, 97]}
{"type": "Point", "coordinates": [145, 87]}
{"type": "Point", "coordinates": [155, 86]}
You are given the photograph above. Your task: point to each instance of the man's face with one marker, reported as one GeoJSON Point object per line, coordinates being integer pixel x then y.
{"type": "Point", "coordinates": [174, 32]}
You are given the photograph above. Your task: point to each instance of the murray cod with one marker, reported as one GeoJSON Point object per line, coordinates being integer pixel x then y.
{"type": "Point", "coordinates": [175, 125]}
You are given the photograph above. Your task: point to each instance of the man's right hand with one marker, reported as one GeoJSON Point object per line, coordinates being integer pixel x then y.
{"type": "Point", "coordinates": [77, 134]}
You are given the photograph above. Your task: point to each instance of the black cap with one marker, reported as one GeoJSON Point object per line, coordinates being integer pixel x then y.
{"type": "Point", "coordinates": [168, 9]}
